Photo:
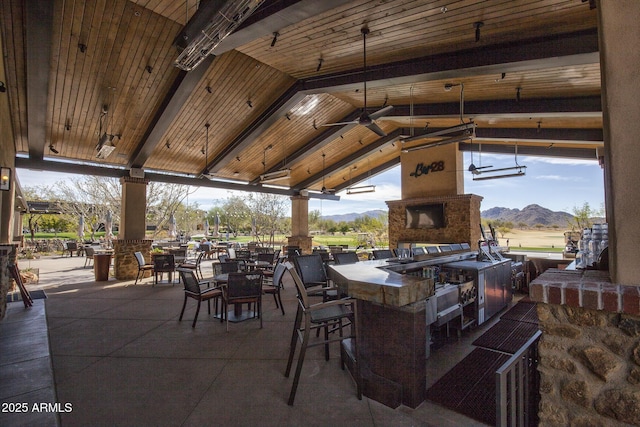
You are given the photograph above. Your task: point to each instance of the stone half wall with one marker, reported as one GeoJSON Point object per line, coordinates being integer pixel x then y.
{"type": "Point", "coordinates": [462, 221]}
{"type": "Point", "coordinates": [7, 257]}
{"type": "Point", "coordinates": [589, 353]}
{"type": "Point", "coordinates": [125, 265]}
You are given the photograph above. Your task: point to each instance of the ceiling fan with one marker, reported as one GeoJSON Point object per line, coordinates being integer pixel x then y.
{"type": "Point", "coordinates": [324, 189]}
{"type": "Point", "coordinates": [366, 119]}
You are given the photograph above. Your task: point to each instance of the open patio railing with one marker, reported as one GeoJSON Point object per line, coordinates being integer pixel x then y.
{"type": "Point", "coordinates": [518, 387]}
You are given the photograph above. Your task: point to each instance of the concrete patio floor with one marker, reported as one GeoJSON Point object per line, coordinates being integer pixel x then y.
{"type": "Point", "coordinates": [120, 357]}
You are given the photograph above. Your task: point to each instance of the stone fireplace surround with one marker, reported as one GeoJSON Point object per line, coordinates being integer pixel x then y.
{"type": "Point", "coordinates": [462, 221]}
{"type": "Point", "coordinates": [589, 353]}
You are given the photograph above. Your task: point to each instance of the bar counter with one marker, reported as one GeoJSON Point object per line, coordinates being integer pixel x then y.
{"type": "Point", "coordinates": [370, 281]}
{"type": "Point", "coordinates": [391, 330]}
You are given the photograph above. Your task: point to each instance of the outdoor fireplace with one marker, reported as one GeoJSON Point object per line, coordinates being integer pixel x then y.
{"type": "Point", "coordinates": [437, 219]}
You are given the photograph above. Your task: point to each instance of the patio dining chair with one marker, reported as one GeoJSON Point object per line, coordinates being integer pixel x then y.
{"type": "Point", "coordinates": [243, 288]}
{"type": "Point", "coordinates": [345, 258]}
{"type": "Point", "coordinates": [142, 266]}
{"type": "Point", "coordinates": [330, 317]}
{"type": "Point", "coordinates": [194, 264]}
{"type": "Point", "coordinates": [274, 287]}
{"type": "Point", "coordinates": [88, 254]}
{"type": "Point", "coordinates": [313, 275]}
{"type": "Point", "coordinates": [382, 254]}
{"type": "Point", "coordinates": [193, 288]}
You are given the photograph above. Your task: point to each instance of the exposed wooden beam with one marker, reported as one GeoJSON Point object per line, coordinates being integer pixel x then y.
{"type": "Point", "coordinates": [368, 174]}
{"type": "Point", "coordinates": [569, 153]}
{"type": "Point", "coordinates": [319, 141]}
{"type": "Point", "coordinates": [273, 16]}
{"type": "Point", "coordinates": [171, 105]}
{"type": "Point", "coordinates": [275, 111]}
{"type": "Point", "coordinates": [83, 169]}
{"type": "Point", "coordinates": [555, 51]}
{"type": "Point", "coordinates": [346, 161]}
{"type": "Point", "coordinates": [563, 107]}
{"type": "Point", "coordinates": [39, 21]}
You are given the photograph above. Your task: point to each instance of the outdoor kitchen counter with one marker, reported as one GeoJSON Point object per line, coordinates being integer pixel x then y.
{"type": "Point", "coordinates": [370, 281]}
{"type": "Point", "coordinates": [391, 330]}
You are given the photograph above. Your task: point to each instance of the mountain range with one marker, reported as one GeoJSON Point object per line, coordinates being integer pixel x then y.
{"type": "Point", "coordinates": [530, 215]}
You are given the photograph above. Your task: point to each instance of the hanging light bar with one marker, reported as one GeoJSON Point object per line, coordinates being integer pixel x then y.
{"type": "Point", "coordinates": [275, 176]}
{"type": "Point", "coordinates": [467, 135]}
{"type": "Point", "coordinates": [361, 189]}
{"type": "Point", "coordinates": [519, 172]}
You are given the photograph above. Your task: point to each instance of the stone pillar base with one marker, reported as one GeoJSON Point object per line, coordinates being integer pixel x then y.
{"type": "Point", "coordinates": [303, 242]}
{"type": "Point", "coordinates": [125, 266]}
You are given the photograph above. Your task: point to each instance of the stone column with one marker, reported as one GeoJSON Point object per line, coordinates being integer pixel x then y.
{"type": "Point", "coordinates": [133, 223]}
{"type": "Point", "coordinates": [619, 35]}
{"type": "Point", "coordinates": [300, 223]}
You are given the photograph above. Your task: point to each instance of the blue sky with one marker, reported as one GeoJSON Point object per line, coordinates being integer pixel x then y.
{"type": "Point", "coordinates": [554, 183]}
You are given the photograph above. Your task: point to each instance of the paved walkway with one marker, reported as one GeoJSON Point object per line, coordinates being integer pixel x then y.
{"type": "Point", "coordinates": [121, 357]}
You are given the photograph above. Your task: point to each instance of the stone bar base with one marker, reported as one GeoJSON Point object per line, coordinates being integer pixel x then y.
{"type": "Point", "coordinates": [392, 351]}
{"type": "Point", "coordinates": [303, 242]}
{"type": "Point", "coordinates": [125, 266]}
{"type": "Point", "coordinates": [589, 353]}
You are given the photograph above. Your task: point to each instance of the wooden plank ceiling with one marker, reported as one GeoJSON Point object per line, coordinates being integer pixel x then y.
{"type": "Point", "coordinates": [530, 74]}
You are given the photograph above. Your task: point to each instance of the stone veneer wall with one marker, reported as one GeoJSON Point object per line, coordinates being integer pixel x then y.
{"type": "Point", "coordinates": [462, 221]}
{"type": "Point", "coordinates": [589, 353]}
{"type": "Point", "coordinates": [303, 242]}
{"type": "Point", "coordinates": [7, 256]}
{"type": "Point", "coordinates": [125, 266]}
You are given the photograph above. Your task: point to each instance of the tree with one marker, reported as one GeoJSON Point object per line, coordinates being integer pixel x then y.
{"type": "Point", "coordinates": [33, 220]}
{"type": "Point", "coordinates": [267, 213]}
{"type": "Point", "coordinates": [236, 215]}
{"type": "Point", "coordinates": [582, 216]}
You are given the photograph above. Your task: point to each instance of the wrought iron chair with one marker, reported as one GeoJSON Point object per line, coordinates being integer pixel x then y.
{"type": "Point", "coordinates": [243, 287]}
{"type": "Point", "coordinates": [329, 316]}
{"type": "Point", "coordinates": [193, 289]}
{"type": "Point", "coordinates": [142, 266]}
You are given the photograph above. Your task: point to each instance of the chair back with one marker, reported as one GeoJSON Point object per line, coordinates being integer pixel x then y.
{"type": "Point", "coordinates": [243, 254]}
{"type": "Point", "coordinates": [225, 267]}
{"type": "Point", "coordinates": [310, 268]}
{"type": "Point", "coordinates": [419, 250]}
{"type": "Point", "coordinates": [232, 253]}
{"type": "Point", "coordinates": [242, 285]}
{"type": "Point", "coordinates": [278, 274]}
{"type": "Point", "coordinates": [139, 258]}
{"type": "Point", "coordinates": [265, 257]}
{"type": "Point", "coordinates": [223, 258]}
{"type": "Point", "coordinates": [345, 258]}
{"type": "Point", "coordinates": [89, 251]}
{"type": "Point", "coordinates": [190, 280]}
{"type": "Point", "coordinates": [164, 262]}
{"type": "Point", "coordinates": [382, 254]}
{"type": "Point", "coordinates": [303, 297]}
{"type": "Point", "coordinates": [179, 255]}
